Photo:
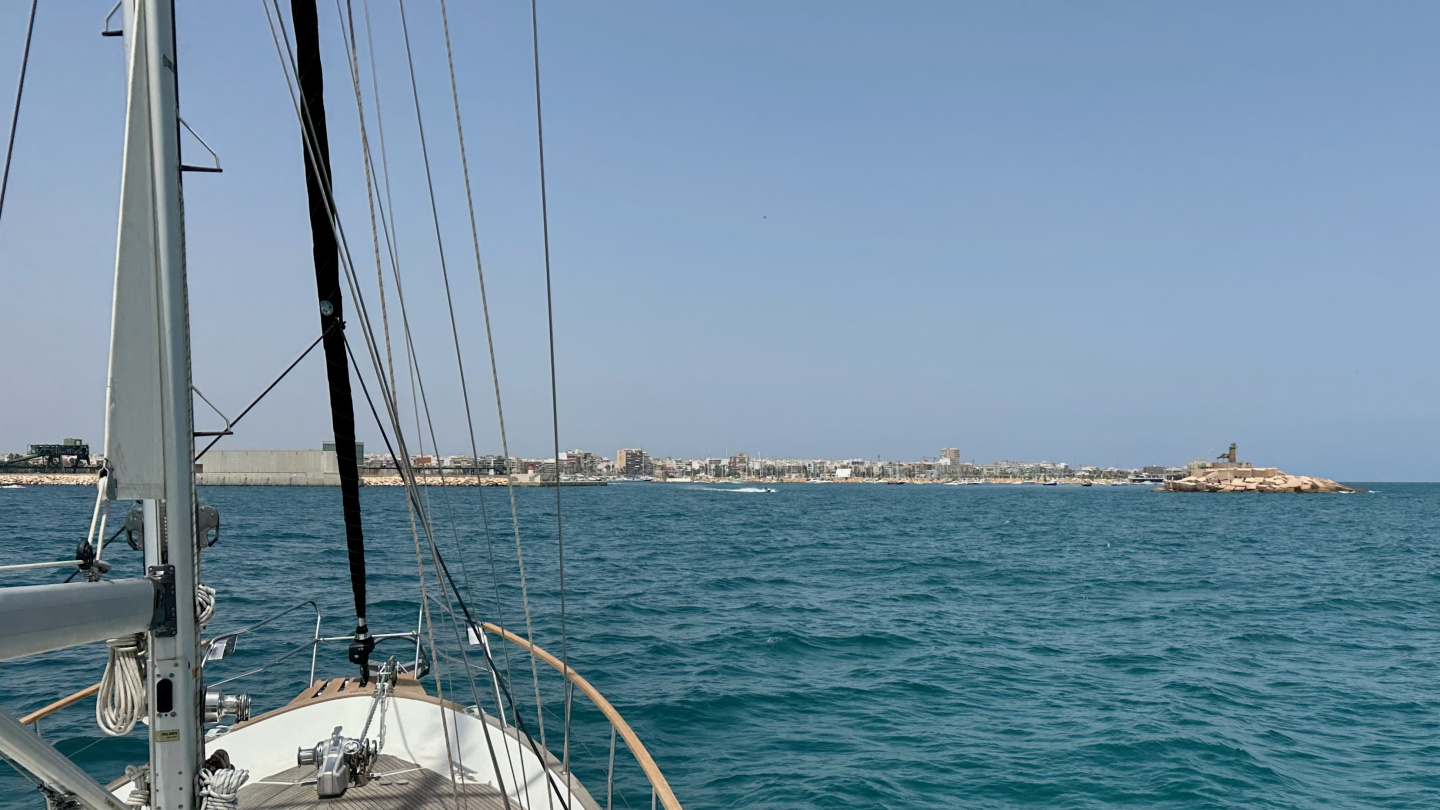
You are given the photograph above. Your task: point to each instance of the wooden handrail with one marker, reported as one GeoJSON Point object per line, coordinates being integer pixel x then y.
{"type": "Point", "coordinates": [637, 748]}
{"type": "Point", "coordinates": [42, 713]}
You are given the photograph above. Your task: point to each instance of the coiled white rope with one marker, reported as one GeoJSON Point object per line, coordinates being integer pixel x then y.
{"type": "Point", "coordinates": [220, 789]}
{"type": "Point", "coordinates": [121, 701]}
{"type": "Point", "coordinates": [139, 776]}
{"type": "Point", "coordinates": [204, 604]}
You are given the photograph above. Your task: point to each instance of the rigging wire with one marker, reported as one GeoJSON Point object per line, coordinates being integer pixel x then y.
{"type": "Point", "coordinates": [445, 277]}
{"type": "Point", "coordinates": [417, 379]}
{"type": "Point", "coordinates": [550, 323]}
{"type": "Point", "coordinates": [489, 334]}
{"type": "Point", "coordinates": [367, 331]}
{"type": "Point", "coordinates": [520, 555]}
{"type": "Point", "coordinates": [38, 785]}
{"type": "Point", "coordinates": [412, 362]}
{"type": "Point", "coordinates": [290, 70]}
{"type": "Point", "coordinates": [353, 63]}
{"type": "Point", "coordinates": [15, 116]}
{"type": "Point", "coordinates": [392, 236]}
{"type": "Point", "coordinates": [424, 400]}
{"type": "Point", "coordinates": [229, 424]}
{"type": "Point", "coordinates": [445, 577]}
{"type": "Point", "coordinates": [309, 78]}
{"type": "Point", "coordinates": [392, 240]}
{"type": "Point", "coordinates": [475, 241]}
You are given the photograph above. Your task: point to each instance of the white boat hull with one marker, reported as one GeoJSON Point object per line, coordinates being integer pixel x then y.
{"type": "Point", "coordinates": [423, 731]}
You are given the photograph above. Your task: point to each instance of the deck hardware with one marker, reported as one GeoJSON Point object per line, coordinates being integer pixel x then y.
{"type": "Point", "coordinates": [165, 621]}
{"type": "Point", "coordinates": [207, 519]}
{"type": "Point", "coordinates": [55, 800]}
{"type": "Point", "coordinates": [219, 705]}
{"type": "Point", "coordinates": [360, 649]}
{"type": "Point", "coordinates": [342, 763]}
{"type": "Point", "coordinates": [91, 568]}
{"type": "Point", "coordinates": [219, 647]}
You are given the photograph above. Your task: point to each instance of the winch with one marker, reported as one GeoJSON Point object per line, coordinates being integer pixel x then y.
{"type": "Point", "coordinates": [343, 762]}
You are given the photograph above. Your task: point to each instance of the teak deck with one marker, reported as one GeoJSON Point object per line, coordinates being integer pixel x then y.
{"type": "Point", "coordinates": [402, 786]}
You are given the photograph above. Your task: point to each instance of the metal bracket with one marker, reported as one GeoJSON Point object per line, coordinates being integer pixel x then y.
{"type": "Point", "coordinates": [219, 647]}
{"type": "Point", "coordinates": [207, 519]}
{"type": "Point", "coordinates": [417, 669]}
{"type": "Point", "coordinates": [187, 168]}
{"type": "Point", "coordinates": [55, 800]}
{"type": "Point", "coordinates": [360, 650]}
{"type": "Point", "coordinates": [165, 621]}
{"type": "Point", "coordinates": [206, 400]}
{"type": "Point", "coordinates": [105, 29]}
{"type": "Point", "coordinates": [107, 481]}
{"type": "Point", "coordinates": [135, 527]}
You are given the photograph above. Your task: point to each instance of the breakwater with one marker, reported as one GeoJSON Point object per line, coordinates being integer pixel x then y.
{"type": "Point", "coordinates": [1253, 479]}
{"type": "Point", "coordinates": [42, 479]}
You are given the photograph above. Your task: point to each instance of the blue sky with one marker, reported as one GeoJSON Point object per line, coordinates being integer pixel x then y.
{"type": "Point", "coordinates": [1101, 233]}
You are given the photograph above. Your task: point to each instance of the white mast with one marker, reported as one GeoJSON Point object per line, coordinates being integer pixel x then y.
{"type": "Point", "coordinates": [149, 423]}
{"type": "Point", "coordinates": [149, 445]}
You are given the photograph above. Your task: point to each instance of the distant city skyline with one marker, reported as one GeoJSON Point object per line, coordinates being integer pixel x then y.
{"type": "Point", "coordinates": [1120, 234]}
{"type": "Point", "coordinates": [635, 460]}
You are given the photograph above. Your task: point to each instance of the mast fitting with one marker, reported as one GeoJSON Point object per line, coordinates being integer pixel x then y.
{"type": "Point", "coordinates": [165, 621]}
{"type": "Point", "coordinates": [360, 650]}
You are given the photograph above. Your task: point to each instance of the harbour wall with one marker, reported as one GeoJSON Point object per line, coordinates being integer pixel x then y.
{"type": "Point", "coordinates": [267, 479]}
{"type": "Point", "coordinates": [268, 468]}
{"type": "Point", "coordinates": [306, 462]}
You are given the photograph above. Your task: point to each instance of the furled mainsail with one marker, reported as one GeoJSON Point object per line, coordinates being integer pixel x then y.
{"type": "Point", "coordinates": [134, 426]}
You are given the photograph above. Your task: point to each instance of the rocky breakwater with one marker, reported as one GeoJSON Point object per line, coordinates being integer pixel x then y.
{"type": "Point", "coordinates": [9, 479]}
{"type": "Point", "coordinates": [1252, 479]}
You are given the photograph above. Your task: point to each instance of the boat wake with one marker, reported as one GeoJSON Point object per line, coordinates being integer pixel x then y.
{"type": "Point", "coordinates": [12, 486]}
{"type": "Point", "coordinates": [739, 489]}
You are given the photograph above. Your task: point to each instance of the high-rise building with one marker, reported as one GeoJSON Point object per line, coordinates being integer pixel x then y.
{"type": "Point", "coordinates": [630, 462]}
{"type": "Point", "coordinates": [740, 465]}
{"type": "Point", "coordinates": [578, 462]}
{"type": "Point", "coordinates": [950, 462]}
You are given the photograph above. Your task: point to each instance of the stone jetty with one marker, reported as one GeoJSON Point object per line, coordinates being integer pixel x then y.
{"type": "Point", "coordinates": [1252, 479]}
{"type": "Point", "coordinates": [46, 479]}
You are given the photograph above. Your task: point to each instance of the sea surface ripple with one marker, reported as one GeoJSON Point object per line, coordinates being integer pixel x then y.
{"type": "Point", "coordinates": [872, 646]}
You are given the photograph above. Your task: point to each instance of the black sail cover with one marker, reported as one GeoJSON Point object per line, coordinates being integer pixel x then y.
{"type": "Point", "coordinates": [316, 145]}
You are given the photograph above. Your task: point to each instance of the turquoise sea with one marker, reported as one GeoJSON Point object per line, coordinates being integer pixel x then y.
{"type": "Point", "coordinates": [872, 646]}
